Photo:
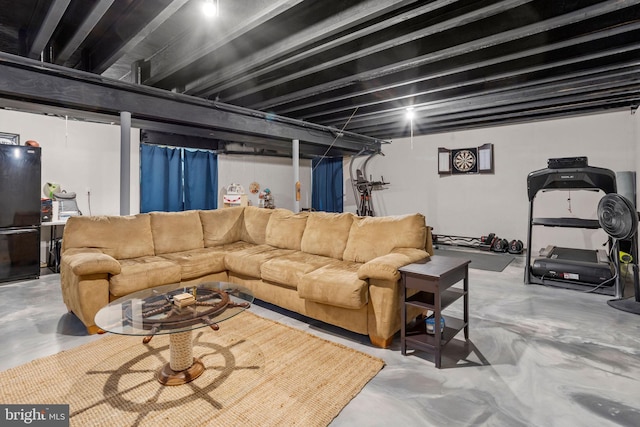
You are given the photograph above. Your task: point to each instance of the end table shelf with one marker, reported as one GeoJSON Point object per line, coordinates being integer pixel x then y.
{"type": "Point", "coordinates": [426, 300]}
{"type": "Point", "coordinates": [432, 279]}
{"type": "Point", "coordinates": [418, 337]}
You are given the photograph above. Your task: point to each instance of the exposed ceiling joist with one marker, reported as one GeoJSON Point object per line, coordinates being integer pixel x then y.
{"type": "Point", "coordinates": [46, 29]}
{"type": "Point", "coordinates": [83, 31]}
{"type": "Point", "coordinates": [433, 79]}
{"type": "Point", "coordinates": [189, 49]}
{"type": "Point", "coordinates": [102, 61]}
{"type": "Point", "coordinates": [456, 50]}
{"type": "Point", "coordinates": [27, 80]}
{"type": "Point", "coordinates": [507, 83]}
{"type": "Point", "coordinates": [318, 37]}
{"type": "Point", "coordinates": [380, 47]}
{"type": "Point", "coordinates": [321, 61]}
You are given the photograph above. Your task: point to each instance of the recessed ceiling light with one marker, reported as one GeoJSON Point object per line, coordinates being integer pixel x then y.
{"type": "Point", "coordinates": [410, 113]}
{"type": "Point", "coordinates": [210, 8]}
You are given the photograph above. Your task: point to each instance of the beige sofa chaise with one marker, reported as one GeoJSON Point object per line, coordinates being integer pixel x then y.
{"type": "Point", "coordinates": [338, 268]}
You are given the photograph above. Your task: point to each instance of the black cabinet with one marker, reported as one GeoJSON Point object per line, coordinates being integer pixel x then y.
{"type": "Point", "coordinates": [19, 212]}
{"type": "Point", "coordinates": [19, 254]}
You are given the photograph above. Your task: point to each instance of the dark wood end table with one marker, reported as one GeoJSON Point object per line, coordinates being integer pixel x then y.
{"type": "Point", "coordinates": [433, 278]}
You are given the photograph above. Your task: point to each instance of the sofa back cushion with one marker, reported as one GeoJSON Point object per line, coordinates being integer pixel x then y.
{"type": "Point", "coordinates": [176, 231]}
{"type": "Point", "coordinates": [371, 237]}
{"type": "Point", "coordinates": [285, 228]}
{"type": "Point", "coordinates": [121, 237]}
{"type": "Point", "coordinates": [254, 227]}
{"type": "Point", "coordinates": [326, 233]}
{"type": "Point", "coordinates": [221, 226]}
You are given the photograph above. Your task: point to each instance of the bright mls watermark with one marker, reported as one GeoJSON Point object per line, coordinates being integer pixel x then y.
{"type": "Point", "coordinates": [34, 415]}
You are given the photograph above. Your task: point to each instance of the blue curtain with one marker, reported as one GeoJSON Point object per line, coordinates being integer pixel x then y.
{"type": "Point", "coordinates": [200, 180]}
{"type": "Point", "coordinates": [160, 179]}
{"type": "Point", "coordinates": [327, 189]}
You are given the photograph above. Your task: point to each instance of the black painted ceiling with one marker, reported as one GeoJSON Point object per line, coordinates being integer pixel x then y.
{"type": "Point", "coordinates": [354, 63]}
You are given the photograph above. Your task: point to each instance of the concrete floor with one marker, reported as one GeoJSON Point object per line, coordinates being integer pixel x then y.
{"type": "Point", "coordinates": [537, 356]}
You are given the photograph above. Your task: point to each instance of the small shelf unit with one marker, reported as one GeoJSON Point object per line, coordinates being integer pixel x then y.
{"type": "Point", "coordinates": [432, 281]}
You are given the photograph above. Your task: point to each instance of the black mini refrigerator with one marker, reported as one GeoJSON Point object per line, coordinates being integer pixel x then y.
{"type": "Point", "coordinates": [19, 212]}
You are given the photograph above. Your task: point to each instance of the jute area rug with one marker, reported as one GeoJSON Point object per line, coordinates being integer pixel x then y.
{"type": "Point", "coordinates": [258, 373]}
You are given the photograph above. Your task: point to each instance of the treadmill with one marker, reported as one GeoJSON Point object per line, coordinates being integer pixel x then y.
{"type": "Point", "coordinates": [572, 268]}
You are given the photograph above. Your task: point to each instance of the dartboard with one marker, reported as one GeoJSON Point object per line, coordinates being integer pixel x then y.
{"type": "Point", "coordinates": [464, 160]}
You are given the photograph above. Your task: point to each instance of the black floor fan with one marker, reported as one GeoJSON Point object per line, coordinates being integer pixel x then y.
{"type": "Point", "coordinates": [619, 219]}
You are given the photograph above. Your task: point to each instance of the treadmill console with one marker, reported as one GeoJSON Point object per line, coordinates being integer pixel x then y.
{"type": "Point", "coordinates": [568, 162]}
{"type": "Point", "coordinates": [586, 178]}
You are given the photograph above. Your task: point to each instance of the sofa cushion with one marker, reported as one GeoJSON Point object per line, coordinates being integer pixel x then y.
{"type": "Point", "coordinates": [249, 260]}
{"type": "Point", "coordinates": [335, 284]}
{"type": "Point", "coordinates": [232, 247]}
{"type": "Point", "coordinates": [197, 262]}
{"type": "Point", "coordinates": [288, 269]}
{"type": "Point", "coordinates": [117, 236]}
{"type": "Point", "coordinates": [221, 226]}
{"type": "Point", "coordinates": [176, 231]}
{"type": "Point", "coordinates": [326, 233]}
{"type": "Point", "coordinates": [254, 225]}
{"type": "Point", "coordinates": [284, 229]}
{"type": "Point", "coordinates": [142, 273]}
{"type": "Point", "coordinates": [371, 237]}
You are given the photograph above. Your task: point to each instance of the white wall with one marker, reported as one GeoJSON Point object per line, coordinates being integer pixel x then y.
{"type": "Point", "coordinates": [273, 173]}
{"type": "Point", "coordinates": [474, 205]}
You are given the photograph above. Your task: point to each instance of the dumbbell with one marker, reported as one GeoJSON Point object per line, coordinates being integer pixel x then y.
{"type": "Point", "coordinates": [500, 245]}
{"type": "Point", "coordinates": [516, 247]}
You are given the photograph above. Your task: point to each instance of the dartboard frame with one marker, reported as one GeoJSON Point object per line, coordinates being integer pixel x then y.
{"type": "Point", "coordinates": [466, 161]}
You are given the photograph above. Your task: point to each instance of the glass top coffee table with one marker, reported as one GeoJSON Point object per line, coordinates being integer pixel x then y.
{"type": "Point", "coordinates": [176, 310]}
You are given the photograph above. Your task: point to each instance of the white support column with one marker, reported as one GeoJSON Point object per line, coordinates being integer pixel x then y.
{"type": "Point", "coordinates": [295, 153]}
{"type": "Point", "coordinates": [125, 162]}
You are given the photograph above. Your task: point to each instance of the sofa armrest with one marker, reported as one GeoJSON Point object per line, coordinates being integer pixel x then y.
{"type": "Point", "coordinates": [386, 267]}
{"type": "Point", "coordinates": [428, 246]}
{"type": "Point", "coordinates": [85, 263]}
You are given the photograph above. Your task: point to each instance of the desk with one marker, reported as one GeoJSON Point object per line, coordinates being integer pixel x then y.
{"type": "Point", "coordinates": [53, 251]}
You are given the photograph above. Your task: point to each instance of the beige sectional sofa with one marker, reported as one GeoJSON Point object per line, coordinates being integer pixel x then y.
{"type": "Point", "coordinates": [338, 268]}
